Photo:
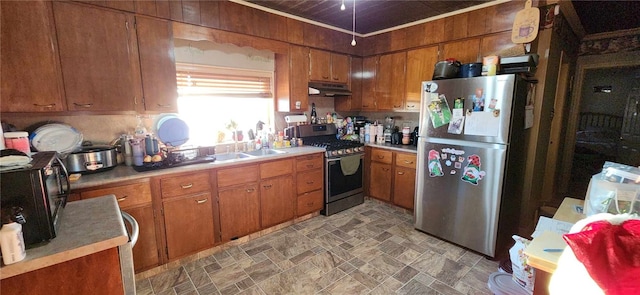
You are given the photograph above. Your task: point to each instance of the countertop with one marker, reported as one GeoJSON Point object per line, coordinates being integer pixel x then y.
{"type": "Point", "coordinates": [122, 172]}
{"type": "Point", "coordinates": [548, 261]}
{"type": "Point", "coordinates": [85, 227]}
{"type": "Point", "coordinates": [396, 147]}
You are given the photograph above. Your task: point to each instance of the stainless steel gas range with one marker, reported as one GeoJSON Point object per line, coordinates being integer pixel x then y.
{"type": "Point", "coordinates": [344, 166]}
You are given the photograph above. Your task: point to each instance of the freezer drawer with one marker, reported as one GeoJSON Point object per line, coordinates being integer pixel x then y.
{"type": "Point", "coordinates": [459, 190]}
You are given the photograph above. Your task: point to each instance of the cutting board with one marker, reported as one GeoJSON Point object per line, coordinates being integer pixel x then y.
{"type": "Point", "coordinates": [525, 24]}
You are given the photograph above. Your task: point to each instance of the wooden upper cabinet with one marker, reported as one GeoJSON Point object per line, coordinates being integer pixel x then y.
{"type": "Point", "coordinates": [157, 65]}
{"type": "Point", "coordinates": [420, 65]}
{"type": "Point", "coordinates": [390, 81]}
{"type": "Point", "coordinates": [329, 67]}
{"type": "Point", "coordinates": [494, 43]}
{"type": "Point", "coordinates": [466, 51]}
{"type": "Point", "coordinates": [369, 65]}
{"type": "Point", "coordinates": [353, 102]}
{"type": "Point", "coordinates": [319, 65]}
{"type": "Point", "coordinates": [103, 74]}
{"type": "Point", "coordinates": [299, 81]}
{"type": "Point", "coordinates": [30, 68]}
{"type": "Point", "coordinates": [340, 66]}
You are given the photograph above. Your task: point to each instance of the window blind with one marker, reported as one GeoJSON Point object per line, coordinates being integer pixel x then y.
{"type": "Point", "coordinates": [203, 80]}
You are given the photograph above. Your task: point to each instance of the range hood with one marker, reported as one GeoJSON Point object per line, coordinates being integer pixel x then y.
{"type": "Point", "coordinates": [328, 89]}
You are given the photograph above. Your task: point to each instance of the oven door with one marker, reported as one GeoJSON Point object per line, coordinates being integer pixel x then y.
{"type": "Point", "coordinates": [339, 185]}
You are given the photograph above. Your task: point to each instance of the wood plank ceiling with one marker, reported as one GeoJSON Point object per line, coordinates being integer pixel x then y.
{"type": "Point", "coordinates": [376, 15]}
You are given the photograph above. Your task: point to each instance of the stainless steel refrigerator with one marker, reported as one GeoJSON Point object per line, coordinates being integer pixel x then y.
{"type": "Point", "coordinates": [471, 158]}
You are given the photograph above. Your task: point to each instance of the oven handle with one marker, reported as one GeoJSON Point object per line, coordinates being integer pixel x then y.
{"type": "Point", "coordinates": [329, 160]}
{"type": "Point", "coordinates": [135, 228]}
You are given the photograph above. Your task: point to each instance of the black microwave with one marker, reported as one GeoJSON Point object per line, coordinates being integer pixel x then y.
{"type": "Point", "coordinates": [35, 196]}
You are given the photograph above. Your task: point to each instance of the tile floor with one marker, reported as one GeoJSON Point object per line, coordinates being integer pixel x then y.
{"type": "Point", "coordinates": [369, 249]}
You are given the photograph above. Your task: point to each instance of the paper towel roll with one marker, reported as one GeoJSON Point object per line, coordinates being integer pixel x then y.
{"type": "Point", "coordinates": [2, 146]}
{"type": "Point", "coordinates": [295, 118]}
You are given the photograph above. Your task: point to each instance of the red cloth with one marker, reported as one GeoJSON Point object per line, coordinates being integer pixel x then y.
{"type": "Point", "coordinates": [611, 254]}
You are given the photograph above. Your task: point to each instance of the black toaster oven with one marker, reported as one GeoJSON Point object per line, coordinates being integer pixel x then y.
{"type": "Point", "coordinates": [35, 196]}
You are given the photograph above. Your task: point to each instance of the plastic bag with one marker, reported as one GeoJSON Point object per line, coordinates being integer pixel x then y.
{"type": "Point", "coordinates": [523, 273]}
{"type": "Point", "coordinates": [613, 191]}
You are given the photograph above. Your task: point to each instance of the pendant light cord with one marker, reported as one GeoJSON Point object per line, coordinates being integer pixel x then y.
{"type": "Point", "coordinates": [353, 31]}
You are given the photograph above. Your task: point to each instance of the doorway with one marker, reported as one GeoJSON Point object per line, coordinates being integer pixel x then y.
{"type": "Point", "coordinates": [595, 118]}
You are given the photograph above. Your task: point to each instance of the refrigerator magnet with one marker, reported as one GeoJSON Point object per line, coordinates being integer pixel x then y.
{"type": "Point", "coordinates": [457, 122]}
{"type": "Point", "coordinates": [448, 163]}
{"type": "Point", "coordinates": [458, 103]}
{"type": "Point", "coordinates": [472, 172]}
{"type": "Point", "coordinates": [477, 100]}
{"type": "Point", "coordinates": [439, 111]}
{"type": "Point", "coordinates": [430, 87]}
{"type": "Point", "coordinates": [457, 165]}
{"type": "Point", "coordinates": [496, 113]}
{"type": "Point", "coordinates": [435, 168]}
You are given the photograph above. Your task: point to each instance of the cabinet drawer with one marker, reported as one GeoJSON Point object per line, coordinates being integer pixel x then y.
{"type": "Point", "coordinates": [127, 195]}
{"type": "Point", "coordinates": [406, 160]}
{"type": "Point", "coordinates": [310, 202]}
{"type": "Point", "coordinates": [276, 168]}
{"type": "Point", "coordinates": [381, 156]}
{"type": "Point", "coordinates": [309, 162]}
{"type": "Point", "coordinates": [310, 181]}
{"type": "Point", "coordinates": [185, 185]}
{"type": "Point", "coordinates": [238, 175]}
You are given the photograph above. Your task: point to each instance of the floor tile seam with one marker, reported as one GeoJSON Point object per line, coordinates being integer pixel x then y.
{"type": "Point", "coordinates": [452, 287]}
{"type": "Point", "coordinates": [190, 280]}
{"type": "Point", "coordinates": [338, 279]}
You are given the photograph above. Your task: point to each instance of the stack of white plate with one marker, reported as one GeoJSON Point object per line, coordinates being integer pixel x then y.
{"type": "Point", "coordinates": [61, 138]}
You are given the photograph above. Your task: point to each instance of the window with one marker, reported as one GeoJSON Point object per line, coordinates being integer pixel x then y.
{"type": "Point", "coordinates": [210, 97]}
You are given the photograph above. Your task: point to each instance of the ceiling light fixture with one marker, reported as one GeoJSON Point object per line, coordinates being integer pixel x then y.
{"type": "Point", "coordinates": [353, 31]}
{"type": "Point", "coordinates": [342, 7]}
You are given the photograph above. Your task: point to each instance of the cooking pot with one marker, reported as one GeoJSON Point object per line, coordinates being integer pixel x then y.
{"type": "Point", "coordinates": [90, 159]}
{"type": "Point", "coordinates": [446, 69]}
{"type": "Point", "coordinates": [471, 70]}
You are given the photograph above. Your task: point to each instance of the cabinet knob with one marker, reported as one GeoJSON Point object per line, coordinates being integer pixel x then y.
{"type": "Point", "coordinates": [51, 105]}
{"type": "Point", "coordinates": [325, 77]}
{"type": "Point", "coordinates": [83, 105]}
{"type": "Point", "coordinates": [267, 186]}
{"type": "Point", "coordinates": [201, 201]}
{"type": "Point", "coordinates": [309, 165]}
{"type": "Point", "coordinates": [164, 105]}
{"type": "Point", "coordinates": [336, 78]}
{"type": "Point", "coordinates": [400, 173]}
{"type": "Point", "coordinates": [310, 182]}
{"type": "Point", "coordinates": [250, 190]}
{"type": "Point", "coordinates": [380, 157]}
{"type": "Point", "coordinates": [396, 106]}
{"type": "Point", "coordinates": [411, 106]}
{"type": "Point", "coordinates": [122, 199]}
{"type": "Point", "coordinates": [408, 162]}
{"type": "Point", "coordinates": [186, 186]}
{"type": "Point", "coordinates": [385, 169]}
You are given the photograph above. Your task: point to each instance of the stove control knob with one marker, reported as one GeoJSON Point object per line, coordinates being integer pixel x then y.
{"type": "Point", "coordinates": [334, 153]}
{"type": "Point", "coordinates": [340, 152]}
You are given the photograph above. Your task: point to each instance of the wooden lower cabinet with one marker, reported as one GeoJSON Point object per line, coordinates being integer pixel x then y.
{"type": "Point", "coordinates": [380, 181]}
{"type": "Point", "coordinates": [97, 274]}
{"type": "Point", "coordinates": [392, 176]}
{"type": "Point", "coordinates": [277, 200]}
{"type": "Point", "coordinates": [135, 199]}
{"type": "Point", "coordinates": [188, 224]}
{"type": "Point", "coordinates": [239, 208]}
{"type": "Point", "coordinates": [404, 183]}
{"type": "Point", "coordinates": [310, 202]}
{"type": "Point", "coordinates": [145, 252]}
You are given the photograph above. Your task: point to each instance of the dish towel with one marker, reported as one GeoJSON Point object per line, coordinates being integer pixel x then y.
{"type": "Point", "coordinates": [350, 164]}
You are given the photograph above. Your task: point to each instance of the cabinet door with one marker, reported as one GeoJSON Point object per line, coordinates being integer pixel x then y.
{"type": "Point", "coordinates": [299, 83]}
{"type": "Point", "coordinates": [310, 202]}
{"type": "Point", "coordinates": [404, 184]}
{"type": "Point", "coordinates": [277, 200]}
{"type": "Point", "coordinates": [157, 65]}
{"type": "Point", "coordinates": [369, 65]}
{"type": "Point", "coordinates": [420, 64]}
{"type": "Point", "coordinates": [103, 74]}
{"type": "Point", "coordinates": [380, 182]}
{"type": "Point", "coordinates": [188, 224]}
{"type": "Point", "coordinates": [340, 68]}
{"type": "Point", "coordinates": [239, 211]}
{"type": "Point", "coordinates": [30, 69]}
{"type": "Point", "coordinates": [390, 81]}
{"type": "Point", "coordinates": [466, 51]}
{"type": "Point", "coordinates": [145, 253]}
{"type": "Point", "coordinates": [353, 102]}
{"type": "Point", "coordinates": [319, 65]}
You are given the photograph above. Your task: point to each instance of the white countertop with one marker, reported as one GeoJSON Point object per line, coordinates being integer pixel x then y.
{"type": "Point", "coordinates": [85, 227]}
{"type": "Point", "coordinates": [396, 147]}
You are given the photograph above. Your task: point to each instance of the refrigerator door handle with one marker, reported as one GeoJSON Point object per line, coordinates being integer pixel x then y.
{"type": "Point", "coordinates": [474, 144]}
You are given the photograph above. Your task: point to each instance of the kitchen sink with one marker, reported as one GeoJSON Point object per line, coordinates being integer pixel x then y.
{"type": "Point", "coordinates": [264, 152]}
{"type": "Point", "coordinates": [231, 156]}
